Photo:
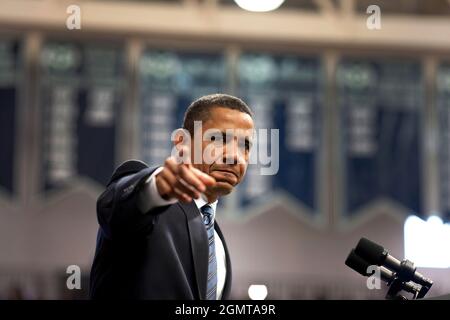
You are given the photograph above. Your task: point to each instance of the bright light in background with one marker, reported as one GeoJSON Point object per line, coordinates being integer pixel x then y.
{"type": "Point", "coordinates": [427, 243]}
{"type": "Point", "coordinates": [257, 292]}
{"type": "Point", "coordinates": [259, 5]}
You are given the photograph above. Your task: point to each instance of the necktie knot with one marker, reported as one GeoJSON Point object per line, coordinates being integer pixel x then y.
{"type": "Point", "coordinates": [208, 214]}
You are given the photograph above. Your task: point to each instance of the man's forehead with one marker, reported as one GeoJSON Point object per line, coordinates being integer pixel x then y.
{"type": "Point", "coordinates": [233, 132]}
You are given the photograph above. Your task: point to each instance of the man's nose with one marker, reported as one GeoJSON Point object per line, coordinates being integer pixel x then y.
{"type": "Point", "coordinates": [232, 153]}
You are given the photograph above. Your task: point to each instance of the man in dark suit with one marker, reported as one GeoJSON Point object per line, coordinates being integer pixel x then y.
{"type": "Point", "coordinates": [158, 236]}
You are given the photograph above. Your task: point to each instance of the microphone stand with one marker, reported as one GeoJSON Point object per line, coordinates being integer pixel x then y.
{"type": "Point", "coordinates": [404, 275]}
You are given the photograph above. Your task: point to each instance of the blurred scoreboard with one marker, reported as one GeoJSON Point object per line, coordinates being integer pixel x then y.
{"type": "Point", "coordinates": [81, 94]}
{"type": "Point", "coordinates": [381, 105]}
{"type": "Point", "coordinates": [285, 93]}
{"type": "Point", "coordinates": [443, 104]}
{"type": "Point", "coordinates": [81, 91]}
{"type": "Point", "coordinates": [11, 78]}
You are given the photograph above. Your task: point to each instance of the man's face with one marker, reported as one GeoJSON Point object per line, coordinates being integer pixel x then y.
{"type": "Point", "coordinates": [226, 142]}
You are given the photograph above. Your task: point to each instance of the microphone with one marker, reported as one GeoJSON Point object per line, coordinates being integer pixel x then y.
{"type": "Point", "coordinates": [375, 254]}
{"type": "Point", "coordinates": [360, 265]}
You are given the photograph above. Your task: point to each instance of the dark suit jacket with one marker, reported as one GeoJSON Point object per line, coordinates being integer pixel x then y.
{"type": "Point", "coordinates": [161, 254]}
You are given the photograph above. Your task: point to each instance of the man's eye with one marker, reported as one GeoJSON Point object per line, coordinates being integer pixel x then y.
{"type": "Point", "coordinates": [246, 146]}
{"type": "Point", "coordinates": [216, 139]}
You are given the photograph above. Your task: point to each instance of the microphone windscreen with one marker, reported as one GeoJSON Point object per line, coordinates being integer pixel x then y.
{"type": "Point", "coordinates": [370, 251]}
{"type": "Point", "coordinates": [357, 263]}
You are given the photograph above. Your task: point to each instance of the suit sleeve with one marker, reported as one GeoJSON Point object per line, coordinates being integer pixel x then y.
{"type": "Point", "coordinates": [118, 212]}
{"type": "Point", "coordinates": [149, 197]}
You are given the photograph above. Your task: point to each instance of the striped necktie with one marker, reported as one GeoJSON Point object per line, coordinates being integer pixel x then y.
{"type": "Point", "coordinates": [208, 220]}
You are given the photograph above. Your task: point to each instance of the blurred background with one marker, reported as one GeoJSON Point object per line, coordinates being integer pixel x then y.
{"type": "Point", "coordinates": [363, 115]}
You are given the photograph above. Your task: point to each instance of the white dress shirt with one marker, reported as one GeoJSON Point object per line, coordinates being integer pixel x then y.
{"type": "Point", "coordinates": [150, 198]}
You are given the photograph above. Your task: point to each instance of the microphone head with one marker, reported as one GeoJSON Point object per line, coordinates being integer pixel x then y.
{"type": "Point", "coordinates": [357, 263]}
{"type": "Point", "coordinates": [370, 251]}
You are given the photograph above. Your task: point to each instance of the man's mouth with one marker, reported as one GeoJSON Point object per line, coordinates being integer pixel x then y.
{"type": "Point", "coordinates": [227, 176]}
{"type": "Point", "coordinates": [228, 172]}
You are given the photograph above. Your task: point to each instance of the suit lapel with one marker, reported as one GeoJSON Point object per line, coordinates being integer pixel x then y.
{"type": "Point", "coordinates": [199, 245]}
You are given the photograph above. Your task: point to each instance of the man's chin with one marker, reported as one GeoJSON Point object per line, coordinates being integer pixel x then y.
{"type": "Point", "coordinates": [223, 188]}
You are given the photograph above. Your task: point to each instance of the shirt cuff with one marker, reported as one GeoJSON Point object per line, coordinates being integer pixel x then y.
{"type": "Point", "coordinates": [149, 197]}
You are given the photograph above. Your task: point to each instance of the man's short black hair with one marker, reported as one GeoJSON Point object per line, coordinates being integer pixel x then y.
{"type": "Point", "coordinates": [199, 109]}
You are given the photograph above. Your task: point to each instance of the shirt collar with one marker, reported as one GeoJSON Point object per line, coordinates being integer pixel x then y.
{"type": "Point", "coordinates": [200, 202]}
